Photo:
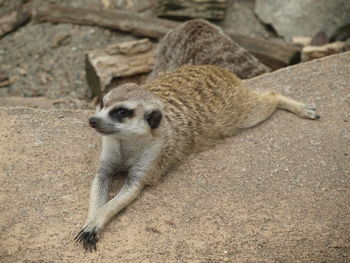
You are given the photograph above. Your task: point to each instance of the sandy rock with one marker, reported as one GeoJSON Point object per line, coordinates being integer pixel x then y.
{"type": "Point", "coordinates": [275, 193]}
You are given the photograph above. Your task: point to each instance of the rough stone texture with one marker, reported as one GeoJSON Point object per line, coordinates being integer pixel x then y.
{"type": "Point", "coordinates": [303, 17]}
{"type": "Point", "coordinates": [6, 5]}
{"type": "Point", "coordinates": [199, 42]}
{"type": "Point", "coordinates": [241, 19]}
{"type": "Point", "coordinates": [275, 193]}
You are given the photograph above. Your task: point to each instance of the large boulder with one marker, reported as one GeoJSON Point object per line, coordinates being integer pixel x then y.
{"type": "Point", "coordinates": [241, 19]}
{"type": "Point", "coordinates": [303, 17]}
{"type": "Point", "coordinates": [276, 193]}
{"type": "Point", "coordinates": [199, 42]}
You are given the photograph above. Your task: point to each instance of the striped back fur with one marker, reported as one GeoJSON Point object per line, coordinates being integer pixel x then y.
{"type": "Point", "coordinates": [203, 104]}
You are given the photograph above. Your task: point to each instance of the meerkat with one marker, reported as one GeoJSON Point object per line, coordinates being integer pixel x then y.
{"type": "Point", "coordinates": [199, 42]}
{"type": "Point", "coordinates": [148, 129]}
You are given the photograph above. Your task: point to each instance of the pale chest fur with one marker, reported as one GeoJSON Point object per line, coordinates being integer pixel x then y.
{"type": "Point", "coordinates": [125, 153]}
{"type": "Point", "coordinates": [130, 152]}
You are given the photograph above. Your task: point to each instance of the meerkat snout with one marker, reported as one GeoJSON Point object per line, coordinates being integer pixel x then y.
{"type": "Point", "coordinates": [102, 126]}
{"type": "Point", "coordinates": [93, 122]}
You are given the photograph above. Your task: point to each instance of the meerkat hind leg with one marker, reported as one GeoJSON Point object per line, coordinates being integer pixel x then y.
{"type": "Point", "coordinates": [307, 111]}
{"type": "Point", "coordinates": [263, 104]}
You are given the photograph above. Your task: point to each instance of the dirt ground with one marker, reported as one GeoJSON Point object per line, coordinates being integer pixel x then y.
{"type": "Point", "coordinates": [47, 59]}
{"type": "Point", "coordinates": [275, 193]}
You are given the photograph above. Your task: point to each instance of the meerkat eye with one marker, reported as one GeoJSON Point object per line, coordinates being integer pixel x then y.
{"type": "Point", "coordinates": [120, 113]}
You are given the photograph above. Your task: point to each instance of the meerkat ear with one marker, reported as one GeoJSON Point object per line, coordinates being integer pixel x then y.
{"type": "Point", "coordinates": [153, 118]}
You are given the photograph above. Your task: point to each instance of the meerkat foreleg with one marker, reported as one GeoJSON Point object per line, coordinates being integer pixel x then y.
{"type": "Point", "coordinates": [145, 167]}
{"type": "Point", "coordinates": [100, 188]}
{"type": "Point", "coordinates": [89, 235]}
{"type": "Point", "coordinates": [98, 197]}
{"type": "Point", "coordinates": [109, 162]}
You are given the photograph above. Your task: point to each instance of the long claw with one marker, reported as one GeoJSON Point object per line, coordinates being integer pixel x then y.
{"type": "Point", "coordinates": [89, 238]}
{"type": "Point", "coordinates": [78, 235]}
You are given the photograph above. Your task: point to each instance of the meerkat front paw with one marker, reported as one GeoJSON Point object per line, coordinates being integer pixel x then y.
{"type": "Point", "coordinates": [89, 236]}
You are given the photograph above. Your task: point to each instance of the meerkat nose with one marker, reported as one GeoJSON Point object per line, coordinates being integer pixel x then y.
{"type": "Point", "coordinates": [93, 121]}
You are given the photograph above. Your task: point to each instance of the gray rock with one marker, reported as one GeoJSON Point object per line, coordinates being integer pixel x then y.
{"type": "Point", "coordinates": [241, 19]}
{"type": "Point", "coordinates": [199, 42]}
{"type": "Point", "coordinates": [303, 17]}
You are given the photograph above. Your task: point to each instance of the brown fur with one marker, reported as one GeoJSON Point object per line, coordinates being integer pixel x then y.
{"type": "Point", "coordinates": [199, 105]}
{"type": "Point", "coordinates": [204, 104]}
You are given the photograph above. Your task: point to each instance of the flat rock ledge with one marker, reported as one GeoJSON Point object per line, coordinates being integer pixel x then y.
{"type": "Point", "coordinates": [275, 193]}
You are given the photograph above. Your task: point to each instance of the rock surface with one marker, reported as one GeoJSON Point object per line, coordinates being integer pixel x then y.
{"type": "Point", "coordinates": [199, 42]}
{"type": "Point", "coordinates": [275, 193]}
{"type": "Point", "coordinates": [303, 17]}
{"type": "Point", "coordinates": [241, 19]}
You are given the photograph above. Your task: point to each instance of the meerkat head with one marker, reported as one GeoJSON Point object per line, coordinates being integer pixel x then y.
{"type": "Point", "coordinates": [128, 112]}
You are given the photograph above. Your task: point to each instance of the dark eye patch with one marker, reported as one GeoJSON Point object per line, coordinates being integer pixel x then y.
{"type": "Point", "coordinates": [121, 113]}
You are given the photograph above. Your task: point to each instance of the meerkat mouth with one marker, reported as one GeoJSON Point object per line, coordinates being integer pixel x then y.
{"type": "Point", "coordinates": [104, 131]}
{"type": "Point", "coordinates": [101, 127]}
